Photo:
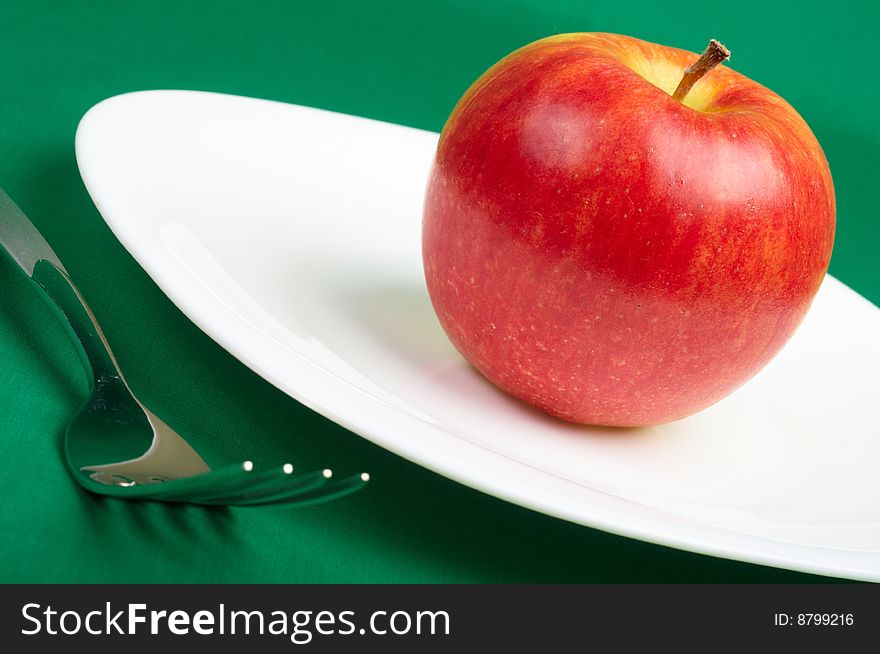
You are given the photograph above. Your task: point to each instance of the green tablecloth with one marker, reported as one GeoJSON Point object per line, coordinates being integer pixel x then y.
{"type": "Point", "coordinates": [401, 62]}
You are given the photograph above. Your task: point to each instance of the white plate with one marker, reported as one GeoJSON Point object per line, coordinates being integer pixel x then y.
{"type": "Point", "coordinates": [292, 237]}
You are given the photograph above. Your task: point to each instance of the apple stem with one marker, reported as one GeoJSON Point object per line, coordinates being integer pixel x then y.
{"type": "Point", "coordinates": [714, 54]}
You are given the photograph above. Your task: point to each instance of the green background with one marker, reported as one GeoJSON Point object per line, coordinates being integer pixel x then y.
{"type": "Point", "coordinates": [401, 62]}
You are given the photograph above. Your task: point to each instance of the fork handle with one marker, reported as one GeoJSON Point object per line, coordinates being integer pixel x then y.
{"type": "Point", "coordinates": [94, 348]}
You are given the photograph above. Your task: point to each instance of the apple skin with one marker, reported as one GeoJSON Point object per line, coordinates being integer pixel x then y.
{"type": "Point", "coordinates": [609, 254]}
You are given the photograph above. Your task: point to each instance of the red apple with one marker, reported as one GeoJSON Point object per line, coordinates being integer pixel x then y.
{"type": "Point", "coordinates": [615, 255]}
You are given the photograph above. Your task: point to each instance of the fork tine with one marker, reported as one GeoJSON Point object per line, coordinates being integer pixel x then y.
{"type": "Point", "coordinates": [331, 491]}
{"type": "Point", "coordinates": [265, 481]}
{"type": "Point", "coordinates": [281, 484]}
{"type": "Point", "coordinates": [178, 491]}
{"type": "Point", "coordinates": [322, 493]}
{"type": "Point", "coordinates": [172, 488]}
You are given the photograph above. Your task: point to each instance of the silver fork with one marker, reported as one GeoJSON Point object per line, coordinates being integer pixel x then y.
{"type": "Point", "coordinates": [114, 445]}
